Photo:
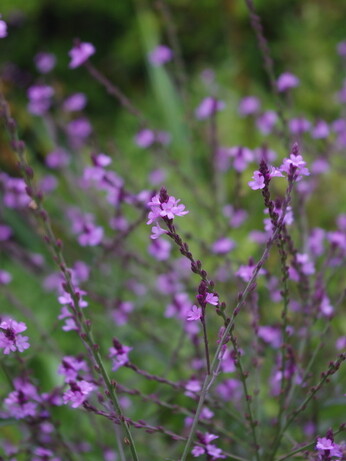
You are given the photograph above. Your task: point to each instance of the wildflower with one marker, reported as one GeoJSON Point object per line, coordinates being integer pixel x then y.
{"type": "Point", "coordinates": [299, 125]}
{"type": "Point", "coordinates": [145, 138]}
{"type": "Point", "coordinates": [223, 245]}
{"type": "Point", "coordinates": [22, 402]}
{"type": "Point", "coordinates": [194, 314]}
{"type": "Point", "coordinates": [45, 62]}
{"type": "Point", "coordinates": [39, 99]}
{"type": "Point", "coordinates": [78, 393]}
{"type": "Point", "coordinates": [80, 53]}
{"type": "Point", "coordinates": [246, 272]}
{"type": "Point", "coordinates": [208, 107]}
{"type": "Point", "coordinates": [70, 367]}
{"type": "Point", "coordinates": [3, 28]}
{"type": "Point", "coordinates": [266, 121]}
{"type": "Point", "coordinates": [43, 454]}
{"type": "Point", "coordinates": [5, 277]}
{"type": "Point", "coordinates": [320, 130]}
{"type": "Point", "coordinates": [241, 157]}
{"type": "Point", "coordinates": [11, 339]}
{"type": "Point", "coordinates": [15, 195]}
{"type": "Point", "coordinates": [165, 206]}
{"type": "Point", "coordinates": [58, 158]}
{"type": "Point", "coordinates": [257, 181]}
{"type": "Point", "coordinates": [212, 451]}
{"type": "Point", "coordinates": [160, 249]}
{"type": "Point", "coordinates": [160, 55]}
{"type": "Point", "coordinates": [333, 449]}
{"type": "Point", "coordinates": [211, 298]}
{"type": "Point", "coordinates": [5, 232]}
{"type": "Point", "coordinates": [75, 102]}
{"type": "Point", "coordinates": [286, 81]}
{"type": "Point", "coordinates": [341, 49]}
{"type": "Point", "coordinates": [119, 354]}
{"type": "Point", "coordinates": [249, 106]}
{"type": "Point", "coordinates": [295, 165]}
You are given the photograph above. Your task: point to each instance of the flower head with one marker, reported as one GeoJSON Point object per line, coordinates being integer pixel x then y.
{"type": "Point", "coordinates": [3, 28]}
{"type": "Point", "coordinates": [10, 338]}
{"type": "Point", "coordinates": [78, 393]}
{"type": "Point", "coordinates": [80, 53]}
{"type": "Point", "coordinates": [160, 55]}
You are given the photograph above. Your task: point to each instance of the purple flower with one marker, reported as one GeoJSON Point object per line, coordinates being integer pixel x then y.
{"type": "Point", "coordinates": [212, 299]}
{"type": "Point", "coordinates": [246, 272]}
{"type": "Point", "coordinates": [208, 107]}
{"type": "Point", "coordinates": [160, 55]}
{"type": "Point", "coordinates": [298, 125]}
{"type": "Point", "coordinates": [79, 129]}
{"type": "Point", "coordinates": [5, 277]}
{"type": "Point", "coordinates": [257, 181]}
{"type": "Point", "coordinates": [22, 402]}
{"type": "Point", "coordinates": [223, 245]}
{"type": "Point", "coordinates": [70, 368]}
{"type": "Point", "coordinates": [286, 81]}
{"type": "Point", "coordinates": [249, 106]}
{"type": "Point", "coordinates": [39, 99]}
{"type": "Point", "coordinates": [80, 53]}
{"type": "Point", "coordinates": [42, 454]}
{"type": "Point", "coordinates": [78, 393]}
{"type": "Point", "coordinates": [270, 335]}
{"type": "Point", "coordinates": [320, 130]}
{"type": "Point", "coordinates": [145, 138]}
{"type": "Point", "coordinates": [3, 28]}
{"type": "Point", "coordinates": [58, 158]}
{"type": "Point", "coordinates": [5, 232]}
{"type": "Point", "coordinates": [266, 121]}
{"type": "Point", "coordinates": [15, 195]}
{"type": "Point", "coordinates": [119, 354]}
{"type": "Point", "coordinates": [241, 157]}
{"type": "Point", "coordinates": [75, 102]}
{"type": "Point", "coordinates": [10, 339]}
{"type": "Point", "coordinates": [324, 443]}
{"type": "Point", "coordinates": [160, 249]}
{"type": "Point", "coordinates": [45, 62]}
{"type": "Point", "coordinates": [296, 164]}
{"type": "Point", "coordinates": [341, 49]}
{"type": "Point", "coordinates": [195, 313]}
{"type": "Point", "coordinates": [164, 207]}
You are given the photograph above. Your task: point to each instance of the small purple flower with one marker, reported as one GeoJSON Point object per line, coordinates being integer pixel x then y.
{"type": "Point", "coordinates": [296, 163]}
{"type": "Point", "coordinates": [45, 62]}
{"type": "Point", "coordinates": [5, 277]}
{"type": "Point", "coordinates": [212, 299]}
{"type": "Point", "coordinates": [208, 107]}
{"type": "Point", "coordinates": [160, 249]}
{"type": "Point", "coordinates": [78, 393]}
{"type": "Point", "coordinates": [160, 55]}
{"type": "Point", "coordinates": [241, 157]}
{"type": "Point", "coordinates": [119, 354]}
{"type": "Point", "coordinates": [287, 81]}
{"type": "Point", "coordinates": [40, 97]}
{"type": "Point", "coordinates": [5, 232]}
{"type": "Point", "coordinates": [249, 105]}
{"type": "Point", "coordinates": [58, 158]}
{"type": "Point", "coordinates": [15, 195]}
{"type": "Point", "coordinates": [70, 368]}
{"type": "Point", "coordinates": [194, 314]}
{"type": "Point", "coordinates": [341, 49]}
{"type": "Point", "coordinates": [11, 339]}
{"type": "Point", "coordinates": [165, 209]}
{"type": "Point", "coordinates": [79, 129]}
{"type": "Point", "coordinates": [80, 53]}
{"type": "Point", "coordinates": [246, 272]}
{"type": "Point", "coordinates": [266, 121]}
{"type": "Point", "coordinates": [145, 138]}
{"type": "Point", "coordinates": [3, 28]}
{"type": "Point", "coordinates": [324, 444]}
{"type": "Point", "coordinates": [223, 245]}
{"type": "Point", "coordinates": [257, 181]}
{"type": "Point", "coordinates": [75, 102]}
{"type": "Point", "coordinates": [299, 125]}
{"type": "Point", "coordinates": [320, 130]}
{"type": "Point", "coordinates": [43, 454]}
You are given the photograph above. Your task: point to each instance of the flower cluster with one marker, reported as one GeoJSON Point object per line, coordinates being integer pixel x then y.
{"type": "Point", "coordinates": [10, 338]}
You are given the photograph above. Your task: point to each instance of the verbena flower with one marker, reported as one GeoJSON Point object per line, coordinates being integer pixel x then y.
{"type": "Point", "coordinates": [160, 55]}
{"type": "Point", "coordinates": [119, 354]}
{"type": "Point", "coordinates": [249, 105]}
{"type": "Point", "coordinates": [78, 393]}
{"type": "Point", "coordinates": [80, 53]}
{"type": "Point", "coordinates": [45, 62]}
{"type": "Point", "coordinates": [287, 81]}
{"type": "Point", "coordinates": [195, 313]}
{"type": "Point", "coordinates": [10, 338]}
{"type": "Point", "coordinates": [165, 207]}
{"type": "Point", "coordinates": [3, 28]}
{"type": "Point", "coordinates": [208, 107]}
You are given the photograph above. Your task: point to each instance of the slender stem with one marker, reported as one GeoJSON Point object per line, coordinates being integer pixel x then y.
{"type": "Point", "coordinates": [217, 356]}
{"type": "Point", "coordinates": [206, 346]}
